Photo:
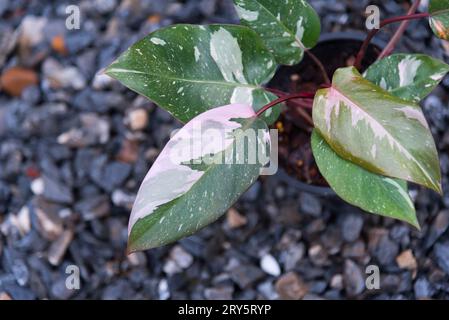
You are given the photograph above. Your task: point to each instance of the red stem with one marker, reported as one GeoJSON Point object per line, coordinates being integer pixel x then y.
{"type": "Point", "coordinates": [300, 95]}
{"type": "Point", "coordinates": [277, 92]}
{"type": "Point", "coordinates": [383, 23]}
{"type": "Point", "coordinates": [320, 66]}
{"type": "Point", "coordinates": [399, 32]}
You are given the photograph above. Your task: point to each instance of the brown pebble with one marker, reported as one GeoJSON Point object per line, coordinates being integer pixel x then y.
{"type": "Point", "coordinates": [235, 219]}
{"type": "Point", "coordinates": [291, 287]}
{"type": "Point", "coordinates": [14, 80]}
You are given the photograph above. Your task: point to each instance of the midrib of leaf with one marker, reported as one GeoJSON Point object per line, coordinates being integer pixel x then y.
{"type": "Point", "coordinates": [299, 42]}
{"type": "Point", "coordinates": [229, 84]}
{"type": "Point", "coordinates": [408, 154]}
{"type": "Point", "coordinates": [173, 202]}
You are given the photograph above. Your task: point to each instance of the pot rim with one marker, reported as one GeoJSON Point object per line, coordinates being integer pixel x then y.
{"type": "Point", "coordinates": [282, 174]}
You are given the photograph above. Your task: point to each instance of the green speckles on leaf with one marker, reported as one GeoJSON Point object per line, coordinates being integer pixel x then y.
{"type": "Point", "coordinates": [199, 174]}
{"type": "Point", "coordinates": [287, 27]}
{"type": "Point", "coordinates": [214, 65]}
{"type": "Point", "coordinates": [407, 76]}
{"type": "Point", "coordinates": [356, 117]}
{"type": "Point", "coordinates": [362, 188]}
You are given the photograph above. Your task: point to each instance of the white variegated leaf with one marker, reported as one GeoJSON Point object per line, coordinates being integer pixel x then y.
{"type": "Point", "coordinates": [407, 76]}
{"type": "Point", "coordinates": [199, 174]}
{"type": "Point", "coordinates": [367, 190]}
{"type": "Point", "coordinates": [376, 130]}
{"type": "Point", "coordinates": [189, 69]}
{"type": "Point", "coordinates": [288, 27]}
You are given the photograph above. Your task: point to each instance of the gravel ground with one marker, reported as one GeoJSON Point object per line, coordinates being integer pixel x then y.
{"type": "Point", "coordinates": [75, 146]}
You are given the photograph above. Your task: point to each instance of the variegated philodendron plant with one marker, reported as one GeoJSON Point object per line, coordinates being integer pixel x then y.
{"type": "Point", "coordinates": [370, 136]}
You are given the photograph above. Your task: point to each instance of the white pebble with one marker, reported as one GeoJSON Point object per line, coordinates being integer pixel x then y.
{"type": "Point", "coordinates": [269, 264]}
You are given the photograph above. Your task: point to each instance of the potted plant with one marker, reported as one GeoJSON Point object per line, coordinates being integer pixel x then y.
{"type": "Point", "coordinates": [369, 134]}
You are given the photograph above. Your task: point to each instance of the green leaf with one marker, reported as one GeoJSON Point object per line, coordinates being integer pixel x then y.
{"type": "Point", "coordinates": [199, 174]}
{"type": "Point", "coordinates": [369, 191]}
{"type": "Point", "coordinates": [407, 76]}
{"type": "Point", "coordinates": [439, 20]}
{"type": "Point", "coordinates": [287, 27]}
{"type": "Point", "coordinates": [384, 134]}
{"type": "Point", "coordinates": [188, 69]}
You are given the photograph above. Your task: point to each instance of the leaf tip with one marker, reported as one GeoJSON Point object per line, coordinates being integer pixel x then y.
{"type": "Point", "coordinates": [439, 189]}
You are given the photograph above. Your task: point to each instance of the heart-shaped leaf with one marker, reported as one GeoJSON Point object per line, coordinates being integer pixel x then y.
{"type": "Point", "coordinates": [199, 174]}
{"type": "Point", "coordinates": [408, 76]}
{"type": "Point", "coordinates": [188, 69]}
{"type": "Point", "coordinates": [369, 191]}
{"type": "Point", "coordinates": [376, 130]}
{"type": "Point", "coordinates": [439, 20]}
{"type": "Point", "coordinates": [288, 27]}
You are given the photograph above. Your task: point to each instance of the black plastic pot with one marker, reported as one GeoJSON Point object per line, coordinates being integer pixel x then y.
{"type": "Point", "coordinates": [329, 43]}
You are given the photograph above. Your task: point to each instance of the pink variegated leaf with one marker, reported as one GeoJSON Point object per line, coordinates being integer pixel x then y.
{"type": "Point", "coordinates": [200, 173]}
{"type": "Point", "coordinates": [384, 134]}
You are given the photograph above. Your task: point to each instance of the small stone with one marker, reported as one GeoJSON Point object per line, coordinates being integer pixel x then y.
{"type": "Point", "coordinates": [129, 151]}
{"type": "Point", "coordinates": [318, 255]}
{"type": "Point", "coordinates": [267, 290]}
{"type": "Point", "coordinates": [235, 219]}
{"type": "Point", "coordinates": [163, 290]}
{"type": "Point", "coordinates": [22, 220]}
{"type": "Point", "coordinates": [351, 227]}
{"type": "Point", "coordinates": [14, 80]}
{"type": "Point", "coordinates": [245, 275]}
{"type": "Point", "coordinates": [20, 272]}
{"type": "Point", "coordinates": [60, 291]}
{"type": "Point", "coordinates": [105, 6]}
{"type": "Point", "coordinates": [58, 76]}
{"type": "Point", "coordinates": [220, 293]}
{"type": "Point", "coordinates": [137, 259]}
{"type": "Point", "coordinates": [31, 94]}
{"type": "Point", "coordinates": [111, 175]}
{"type": "Point", "coordinates": [37, 186]}
{"type": "Point", "coordinates": [93, 207]}
{"type": "Point", "coordinates": [353, 279]}
{"type": "Point", "coordinates": [337, 282]}
{"type": "Point", "coordinates": [422, 289]}
{"type": "Point", "coordinates": [50, 225]}
{"type": "Point", "coordinates": [310, 204]}
{"type": "Point", "coordinates": [269, 264]}
{"type": "Point", "coordinates": [58, 247]}
{"type": "Point", "coordinates": [4, 296]}
{"type": "Point", "coordinates": [58, 44]}
{"type": "Point", "coordinates": [137, 119]}
{"type": "Point", "coordinates": [384, 249]}
{"type": "Point", "coordinates": [31, 31]}
{"type": "Point", "coordinates": [56, 191]}
{"type": "Point", "coordinates": [65, 213]}
{"type": "Point", "coordinates": [441, 252]}
{"type": "Point", "coordinates": [122, 199]}
{"type": "Point", "coordinates": [8, 41]}
{"type": "Point", "coordinates": [291, 287]}
{"type": "Point", "coordinates": [439, 226]}
{"type": "Point", "coordinates": [101, 81]}
{"type": "Point", "coordinates": [179, 259]}
{"type": "Point", "coordinates": [19, 293]}
{"type": "Point", "coordinates": [291, 256]}
{"type": "Point", "coordinates": [354, 250]}
{"type": "Point", "coordinates": [406, 260]}
{"type": "Point", "coordinates": [94, 130]}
